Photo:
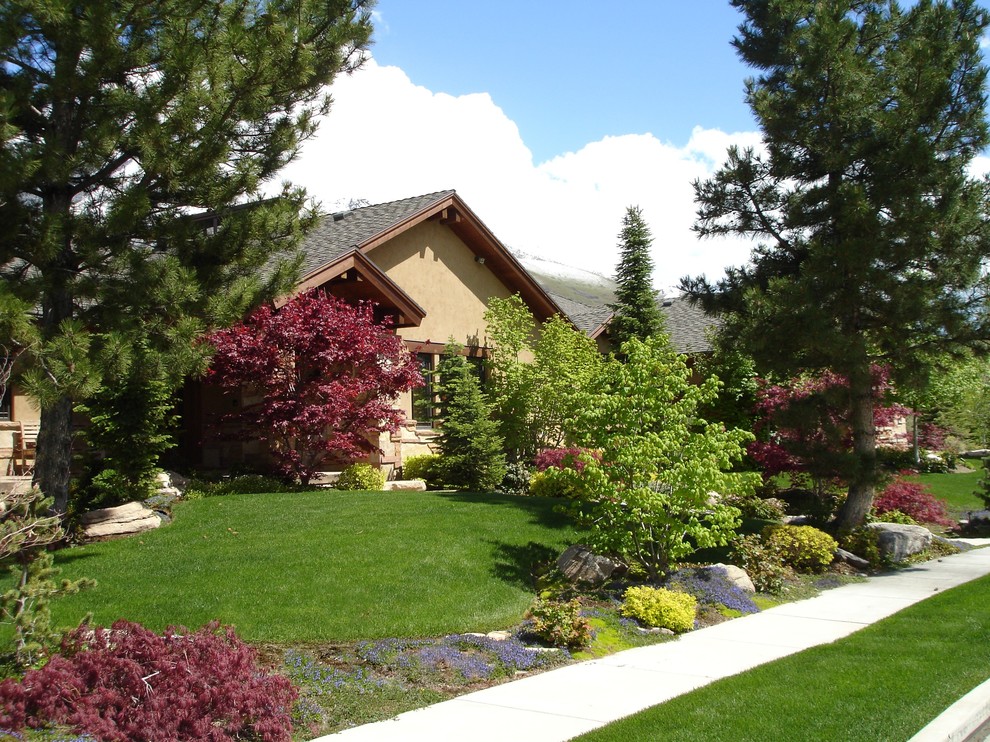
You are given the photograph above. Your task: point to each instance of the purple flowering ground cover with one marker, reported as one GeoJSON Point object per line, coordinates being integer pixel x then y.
{"type": "Point", "coordinates": [352, 684]}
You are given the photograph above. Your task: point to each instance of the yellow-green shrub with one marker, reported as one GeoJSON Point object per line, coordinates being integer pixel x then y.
{"type": "Point", "coordinates": [551, 483]}
{"type": "Point", "coordinates": [803, 548]}
{"type": "Point", "coordinates": [361, 477]}
{"type": "Point", "coordinates": [657, 606]}
{"type": "Point", "coordinates": [420, 467]}
{"type": "Point", "coordinates": [863, 542]}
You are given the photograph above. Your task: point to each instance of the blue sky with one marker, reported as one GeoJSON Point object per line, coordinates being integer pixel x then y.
{"type": "Point", "coordinates": [571, 73]}
{"type": "Point", "coordinates": [549, 118]}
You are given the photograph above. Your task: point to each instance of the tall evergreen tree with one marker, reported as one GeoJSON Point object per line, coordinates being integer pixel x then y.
{"type": "Point", "coordinates": [872, 235]}
{"type": "Point", "coordinates": [121, 121]}
{"type": "Point", "coordinates": [636, 312]}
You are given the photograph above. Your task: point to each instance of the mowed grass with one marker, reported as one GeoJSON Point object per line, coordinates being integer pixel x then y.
{"type": "Point", "coordinates": [885, 682]}
{"type": "Point", "coordinates": [957, 490]}
{"type": "Point", "coordinates": [323, 566]}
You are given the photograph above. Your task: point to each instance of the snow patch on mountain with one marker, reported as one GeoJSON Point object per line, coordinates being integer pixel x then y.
{"type": "Point", "coordinates": [544, 267]}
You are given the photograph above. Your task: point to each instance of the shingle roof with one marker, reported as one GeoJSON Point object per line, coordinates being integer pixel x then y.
{"type": "Point", "coordinates": [585, 317]}
{"type": "Point", "coordinates": [340, 233]}
{"type": "Point", "coordinates": [688, 325]}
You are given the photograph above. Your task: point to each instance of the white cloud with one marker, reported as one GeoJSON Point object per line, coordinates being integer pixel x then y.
{"type": "Point", "coordinates": [386, 138]}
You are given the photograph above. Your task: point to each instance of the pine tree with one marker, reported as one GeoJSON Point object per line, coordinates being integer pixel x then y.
{"type": "Point", "coordinates": [872, 235]}
{"type": "Point", "coordinates": [636, 312]}
{"type": "Point", "coordinates": [470, 446]}
{"type": "Point", "coordinates": [123, 121]}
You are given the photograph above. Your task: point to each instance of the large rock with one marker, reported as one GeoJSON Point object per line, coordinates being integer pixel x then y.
{"type": "Point", "coordinates": [847, 557]}
{"type": "Point", "coordinates": [978, 517]}
{"type": "Point", "coordinates": [123, 520]}
{"type": "Point", "coordinates": [736, 575]}
{"type": "Point", "coordinates": [581, 564]}
{"type": "Point", "coordinates": [405, 485]}
{"type": "Point", "coordinates": [898, 541]}
{"type": "Point", "coordinates": [171, 484]}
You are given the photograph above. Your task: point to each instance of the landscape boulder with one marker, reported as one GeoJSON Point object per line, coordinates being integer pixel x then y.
{"type": "Point", "coordinates": [847, 557]}
{"type": "Point", "coordinates": [978, 517]}
{"type": "Point", "coordinates": [124, 520]}
{"type": "Point", "coordinates": [581, 564]}
{"type": "Point", "coordinates": [171, 484]}
{"type": "Point", "coordinates": [736, 575]}
{"type": "Point", "coordinates": [405, 485]}
{"type": "Point", "coordinates": [897, 541]}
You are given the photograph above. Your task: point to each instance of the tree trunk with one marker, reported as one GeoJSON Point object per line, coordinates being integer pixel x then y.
{"type": "Point", "coordinates": [917, 449]}
{"type": "Point", "coordinates": [54, 454]}
{"type": "Point", "coordinates": [862, 483]}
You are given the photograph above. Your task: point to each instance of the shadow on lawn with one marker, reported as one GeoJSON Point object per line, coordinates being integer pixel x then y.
{"type": "Point", "coordinates": [518, 565]}
{"type": "Point", "coordinates": [542, 510]}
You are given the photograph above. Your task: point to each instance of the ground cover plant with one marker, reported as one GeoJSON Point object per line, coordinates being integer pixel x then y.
{"type": "Point", "coordinates": [324, 565]}
{"type": "Point", "coordinates": [914, 673]}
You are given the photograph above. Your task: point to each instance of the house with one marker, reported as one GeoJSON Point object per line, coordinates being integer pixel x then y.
{"type": "Point", "coordinates": [431, 265]}
{"type": "Point", "coordinates": [687, 324]}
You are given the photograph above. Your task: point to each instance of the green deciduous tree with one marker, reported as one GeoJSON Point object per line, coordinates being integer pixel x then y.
{"type": "Point", "coordinates": [510, 330]}
{"type": "Point", "coordinates": [534, 383]}
{"type": "Point", "coordinates": [650, 495]}
{"type": "Point", "coordinates": [636, 312]}
{"type": "Point", "coordinates": [872, 235]}
{"type": "Point", "coordinates": [962, 397]}
{"type": "Point", "coordinates": [564, 362]}
{"type": "Point", "coordinates": [120, 121]}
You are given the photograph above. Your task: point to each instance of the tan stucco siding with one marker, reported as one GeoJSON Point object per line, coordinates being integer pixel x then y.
{"type": "Point", "coordinates": [24, 407]}
{"type": "Point", "coordinates": [441, 274]}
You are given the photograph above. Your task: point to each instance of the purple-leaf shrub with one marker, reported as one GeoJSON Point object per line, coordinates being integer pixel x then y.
{"type": "Point", "coordinates": [560, 458]}
{"type": "Point", "coordinates": [128, 684]}
{"type": "Point", "coordinates": [911, 498]}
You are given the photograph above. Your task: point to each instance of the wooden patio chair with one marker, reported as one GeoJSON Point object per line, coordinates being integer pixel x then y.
{"type": "Point", "coordinates": [25, 447]}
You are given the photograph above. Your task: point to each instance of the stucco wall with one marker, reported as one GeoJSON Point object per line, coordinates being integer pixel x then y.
{"type": "Point", "coordinates": [439, 272]}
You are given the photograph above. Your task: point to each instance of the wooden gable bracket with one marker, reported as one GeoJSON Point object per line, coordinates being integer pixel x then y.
{"type": "Point", "coordinates": [450, 215]}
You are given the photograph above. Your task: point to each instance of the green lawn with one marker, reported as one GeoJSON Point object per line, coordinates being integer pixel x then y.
{"type": "Point", "coordinates": [957, 490]}
{"type": "Point", "coordinates": [885, 682]}
{"type": "Point", "coordinates": [323, 566]}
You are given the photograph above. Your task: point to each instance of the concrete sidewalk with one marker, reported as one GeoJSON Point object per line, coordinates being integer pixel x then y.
{"type": "Point", "coordinates": [559, 704]}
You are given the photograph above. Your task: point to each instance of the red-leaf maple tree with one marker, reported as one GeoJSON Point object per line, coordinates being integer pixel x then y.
{"type": "Point", "coordinates": [324, 374]}
{"type": "Point", "coordinates": [803, 426]}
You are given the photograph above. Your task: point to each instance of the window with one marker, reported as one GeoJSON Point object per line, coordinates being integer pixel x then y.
{"type": "Point", "coordinates": [423, 403]}
{"type": "Point", "coordinates": [6, 366]}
